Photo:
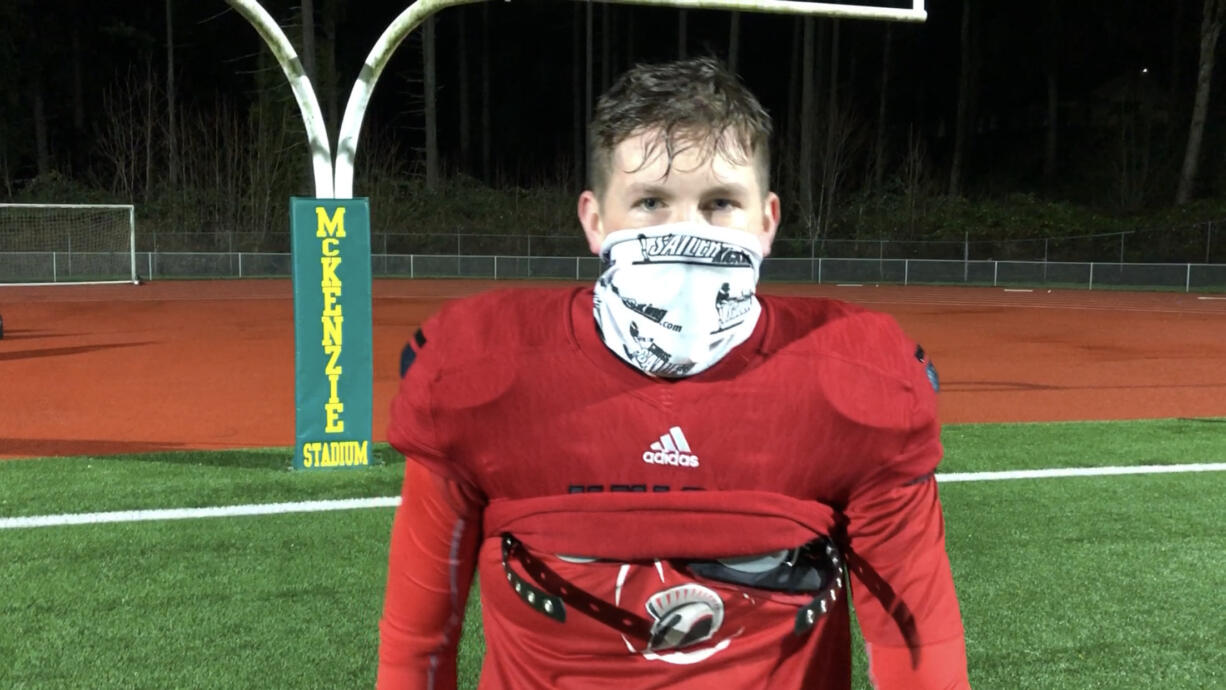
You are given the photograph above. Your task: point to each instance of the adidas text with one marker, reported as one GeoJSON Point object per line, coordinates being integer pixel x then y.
{"type": "Point", "coordinates": [670, 457]}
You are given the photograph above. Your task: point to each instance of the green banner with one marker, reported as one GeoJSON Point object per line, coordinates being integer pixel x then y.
{"type": "Point", "coordinates": [333, 373]}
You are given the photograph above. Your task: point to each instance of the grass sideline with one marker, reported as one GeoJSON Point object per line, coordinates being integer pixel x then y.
{"type": "Point", "coordinates": [1094, 582]}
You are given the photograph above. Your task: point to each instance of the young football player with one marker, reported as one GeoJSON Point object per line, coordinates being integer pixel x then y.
{"type": "Point", "coordinates": [664, 479]}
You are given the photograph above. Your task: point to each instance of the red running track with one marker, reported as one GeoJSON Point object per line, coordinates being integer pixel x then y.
{"type": "Point", "coordinates": [209, 364]}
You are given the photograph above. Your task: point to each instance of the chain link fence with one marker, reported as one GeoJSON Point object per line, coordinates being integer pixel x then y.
{"type": "Point", "coordinates": [37, 267]}
{"type": "Point", "coordinates": [1203, 243]}
{"type": "Point", "coordinates": [1182, 258]}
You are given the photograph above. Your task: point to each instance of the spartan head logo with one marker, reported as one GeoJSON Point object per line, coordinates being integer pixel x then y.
{"type": "Point", "coordinates": [685, 620]}
{"type": "Point", "coordinates": [684, 615]}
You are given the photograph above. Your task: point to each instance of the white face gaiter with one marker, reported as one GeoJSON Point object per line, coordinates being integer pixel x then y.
{"type": "Point", "coordinates": [674, 299]}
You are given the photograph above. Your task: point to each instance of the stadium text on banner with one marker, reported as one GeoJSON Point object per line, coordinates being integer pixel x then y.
{"type": "Point", "coordinates": [333, 373]}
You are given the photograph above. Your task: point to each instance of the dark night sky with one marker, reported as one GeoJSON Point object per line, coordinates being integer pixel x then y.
{"type": "Point", "coordinates": [531, 49]}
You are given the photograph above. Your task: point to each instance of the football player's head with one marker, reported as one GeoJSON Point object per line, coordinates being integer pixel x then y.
{"type": "Point", "coordinates": [676, 142]}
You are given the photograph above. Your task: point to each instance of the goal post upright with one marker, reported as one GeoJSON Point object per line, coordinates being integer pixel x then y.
{"type": "Point", "coordinates": [304, 92]}
{"type": "Point", "coordinates": [355, 109]}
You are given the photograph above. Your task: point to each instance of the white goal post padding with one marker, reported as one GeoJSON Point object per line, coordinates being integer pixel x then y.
{"type": "Point", "coordinates": [51, 244]}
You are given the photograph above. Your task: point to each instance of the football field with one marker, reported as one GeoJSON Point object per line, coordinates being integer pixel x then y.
{"type": "Point", "coordinates": [152, 535]}
{"type": "Point", "coordinates": [1098, 581]}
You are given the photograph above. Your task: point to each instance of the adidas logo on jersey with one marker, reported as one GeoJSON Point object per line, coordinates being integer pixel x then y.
{"type": "Point", "coordinates": [671, 449]}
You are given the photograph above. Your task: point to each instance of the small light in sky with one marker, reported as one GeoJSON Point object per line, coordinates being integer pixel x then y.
{"type": "Point", "coordinates": [1144, 70]}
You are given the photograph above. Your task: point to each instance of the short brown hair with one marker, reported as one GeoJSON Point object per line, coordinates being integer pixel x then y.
{"type": "Point", "coordinates": [694, 102]}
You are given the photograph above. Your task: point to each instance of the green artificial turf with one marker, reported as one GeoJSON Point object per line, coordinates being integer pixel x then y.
{"type": "Point", "coordinates": [1084, 582]}
{"type": "Point", "coordinates": [184, 479]}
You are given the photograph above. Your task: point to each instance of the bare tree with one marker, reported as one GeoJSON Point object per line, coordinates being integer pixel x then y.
{"type": "Point", "coordinates": [486, 105]}
{"type": "Point", "coordinates": [78, 86]}
{"type": "Point", "coordinates": [148, 118]}
{"type": "Point", "coordinates": [833, 153]}
{"type": "Point", "coordinates": [683, 39]}
{"type": "Point", "coordinates": [577, 123]}
{"type": "Point", "coordinates": [277, 148]}
{"type": "Point", "coordinates": [1177, 42]}
{"type": "Point", "coordinates": [118, 136]}
{"type": "Point", "coordinates": [216, 141]}
{"type": "Point", "coordinates": [789, 161]}
{"type": "Point", "coordinates": [845, 139]}
{"type": "Point", "coordinates": [1133, 171]}
{"type": "Point", "coordinates": [307, 19]}
{"type": "Point", "coordinates": [808, 115]}
{"type": "Point", "coordinates": [430, 93]}
{"type": "Point", "coordinates": [1210, 28]}
{"type": "Point", "coordinates": [912, 175]}
{"type": "Point", "coordinates": [628, 46]}
{"type": "Point", "coordinates": [879, 142]}
{"type": "Point", "coordinates": [6, 172]}
{"type": "Point", "coordinates": [329, 83]}
{"type": "Point", "coordinates": [307, 12]}
{"type": "Point", "coordinates": [1051, 66]}
{"type": "Point", "coordinates": [172, 138]}
{"type": "Point", "coordinates": [465, 107]}
{"type": "Point", "coordinates": [965, 96]}
{"type": "Point", "coordinates": [606, 51]}
{"type": "Point", "coordinates": [587, 83]}
{"type": "Point", "coordinates": [38, 104]}
{"type": "Point", "coordinates": [734, 40]}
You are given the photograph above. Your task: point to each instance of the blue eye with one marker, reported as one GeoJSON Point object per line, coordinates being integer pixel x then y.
{"type": "Point", "coordinates": [649, 204]}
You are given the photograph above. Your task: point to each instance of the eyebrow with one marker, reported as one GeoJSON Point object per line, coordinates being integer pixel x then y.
{"type": "Point", "coordinates": [724, 190]}
{"type": "Point", "coordinates": [727, 190]}
{"type": "Point", "coordinates": [645, 189]}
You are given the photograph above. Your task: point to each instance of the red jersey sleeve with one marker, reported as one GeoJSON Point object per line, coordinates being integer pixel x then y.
{"type": "Point", "coordinates": [903, 589]}
{"type": "Point", "coordinates": [433, 555]}
{"type": "Point", "coordinates": [435, 534]}
{"type": "Point", "coordinates": [901, 581]}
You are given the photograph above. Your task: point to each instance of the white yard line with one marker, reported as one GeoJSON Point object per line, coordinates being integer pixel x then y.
{"type": "Point", "coordinates": [190, 513]}
{"type": "Point", "coordinates": [393, 501]}
{"type": "Point", "coordinates": [1077, 472]}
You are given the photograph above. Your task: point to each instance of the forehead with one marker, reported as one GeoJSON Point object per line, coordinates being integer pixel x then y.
{"type": "Point", "coordinates": [643, 157]}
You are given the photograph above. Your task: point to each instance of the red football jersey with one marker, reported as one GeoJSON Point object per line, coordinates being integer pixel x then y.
{"type": "Point", "coordinates": [612, 482]}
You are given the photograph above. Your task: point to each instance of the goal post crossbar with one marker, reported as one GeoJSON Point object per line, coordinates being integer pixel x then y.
{"type": "Point", "coordinates": [334, 178]}
{"type": "Point", "coordinates": [916, 13]}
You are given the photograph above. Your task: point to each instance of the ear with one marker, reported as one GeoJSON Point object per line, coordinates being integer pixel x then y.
{"type": "Point", "coordinates": [771, 214]}
{"type": "Point", "coordinates": [589, 218]}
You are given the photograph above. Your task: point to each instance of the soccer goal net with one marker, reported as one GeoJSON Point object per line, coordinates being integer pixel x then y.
{"type": "Point", "coordinates": [67, 243]}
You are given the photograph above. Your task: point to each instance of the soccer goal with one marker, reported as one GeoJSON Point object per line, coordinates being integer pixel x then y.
{"type": "Point", "coordinates": [51, 244]}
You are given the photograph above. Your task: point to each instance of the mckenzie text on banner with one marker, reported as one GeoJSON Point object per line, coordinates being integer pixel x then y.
{"type": "Point", "coordinates": [333, 374]}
